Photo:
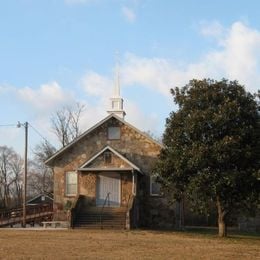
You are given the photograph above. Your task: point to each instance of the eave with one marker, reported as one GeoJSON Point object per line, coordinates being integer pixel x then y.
{"type": "Point", "coordinates": [132, 165]}
{"type": "Point", "coordinates": [54, 156]}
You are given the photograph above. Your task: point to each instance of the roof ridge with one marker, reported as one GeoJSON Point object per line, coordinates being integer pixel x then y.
{"type": "Point", "coordinates": [93, 128]}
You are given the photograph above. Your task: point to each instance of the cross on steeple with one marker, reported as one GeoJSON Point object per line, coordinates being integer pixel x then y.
{"type": "Point", "coordinates": [117, 103]}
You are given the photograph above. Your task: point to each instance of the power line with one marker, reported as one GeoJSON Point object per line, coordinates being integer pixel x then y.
{"type": "Point", "coordinates": [8, 125]}
{"type": "Point", "coordinates": [39, 134]}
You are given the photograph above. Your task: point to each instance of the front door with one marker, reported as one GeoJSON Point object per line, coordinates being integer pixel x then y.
{"type": "Point", "coordinates": [108, 189]}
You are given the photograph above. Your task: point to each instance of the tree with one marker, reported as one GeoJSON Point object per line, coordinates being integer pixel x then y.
{"type": "Point", "coordinates": [43, 151]}
{"type": "Point", "coordinates": [211, 148]}
{"type": "Point", "coordinates": [41, 177]}
{"type": "Point", "coordinates": [10, 177]}
{"type": "Point", "coordinates": [153, 136]}
{"type": "Point", "coordinates": [16, 166]}
{"type": "Point", "coordinates": [65, 123]}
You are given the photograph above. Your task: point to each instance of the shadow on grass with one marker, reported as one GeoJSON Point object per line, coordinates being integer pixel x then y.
{"type": "Point", "coordinates": [231, 233]}
{"type": "Point", "coordinates": [209, 232]}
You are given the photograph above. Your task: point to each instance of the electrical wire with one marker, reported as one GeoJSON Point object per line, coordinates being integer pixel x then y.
{"type": "Point", "coordinates": [8, 125]}
{"type": "Point", "coordinates": [39, 133]}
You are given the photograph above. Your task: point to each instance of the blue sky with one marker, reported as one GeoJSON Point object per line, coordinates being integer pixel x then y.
{"type": "Point", "coordinates": [57, 52]}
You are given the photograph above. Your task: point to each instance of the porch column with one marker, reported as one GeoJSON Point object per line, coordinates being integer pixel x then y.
{"type": "Point", "coordinates": [134, 180]}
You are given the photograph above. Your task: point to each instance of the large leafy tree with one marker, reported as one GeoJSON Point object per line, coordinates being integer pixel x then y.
{"type": "Point", "coordinates": [211, 148]}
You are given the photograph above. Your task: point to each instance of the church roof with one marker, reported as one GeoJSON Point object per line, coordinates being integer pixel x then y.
{"type": "Point", "coordinates": [62, 150]}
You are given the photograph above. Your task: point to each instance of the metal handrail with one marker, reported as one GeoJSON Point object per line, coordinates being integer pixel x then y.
{"type": "Point", "coordinates": [102, 209]}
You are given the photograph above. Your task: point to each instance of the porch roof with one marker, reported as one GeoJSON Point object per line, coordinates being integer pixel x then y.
{"type": "Point", "coordinates": [131, 166]}
{"type": "Point", "coordinates": [113, 169]}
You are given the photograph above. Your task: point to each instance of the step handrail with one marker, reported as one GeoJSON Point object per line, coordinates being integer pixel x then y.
{"type": "Point", "coordinates": [102, 209]}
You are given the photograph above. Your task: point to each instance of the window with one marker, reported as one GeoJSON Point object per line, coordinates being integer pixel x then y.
{"type": "Point", "coordinates": [107, 157]}
{"type": "Point", "coordinates": [71, 183]}
{"type": "Point", "coordinates": [155, 186]}
{"type": "Point", "coordinates": [115, 105]}
{"type": "Point", "coordinates": [114, 133]}
{"type": "Point", "coordinates": [42, 198]}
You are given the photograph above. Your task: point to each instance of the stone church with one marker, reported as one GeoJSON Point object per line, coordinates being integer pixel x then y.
{"type": "Point", "coordinates": [103, 178]}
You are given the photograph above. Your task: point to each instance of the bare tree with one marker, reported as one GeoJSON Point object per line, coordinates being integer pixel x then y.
{"type": "Point", "coordinates": [153, 136]}
{"type": "Point", "coordinates": [41, 177]}
{"type": "Point", "coordinates": [16, 166]}
{"type": "Point", "coordinates": [65, 123]}
{"type": "Point", "coordinates": [75, 115]}
{"type": "Point", "coordinates": [10, 177]}
{"type": "Point", "coordinates": [43, 151]}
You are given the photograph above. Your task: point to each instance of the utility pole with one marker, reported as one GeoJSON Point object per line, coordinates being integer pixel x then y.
{"type": "Point", "coordinates": [25, 171]}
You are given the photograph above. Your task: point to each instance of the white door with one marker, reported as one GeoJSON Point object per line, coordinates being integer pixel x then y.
{"type": "Point", "coordinates": [108, 189]}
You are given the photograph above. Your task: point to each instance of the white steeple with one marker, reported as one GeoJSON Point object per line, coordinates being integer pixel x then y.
{"type": "Point", "coordinates": [117, 103]}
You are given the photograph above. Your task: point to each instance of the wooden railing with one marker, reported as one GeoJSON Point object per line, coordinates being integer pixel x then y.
{"type": "Point", "coordinates": [34, 213]}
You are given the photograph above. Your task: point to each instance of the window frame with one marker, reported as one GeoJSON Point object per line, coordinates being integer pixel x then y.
{"type": "Point", "coordinates": [114, 127]}
{"type": "Point", "coordinates": [107, 157]}
{"type": "Point", "coordinates": [153, 180]}
{"type": "Point", "coordinates": [66, 184]}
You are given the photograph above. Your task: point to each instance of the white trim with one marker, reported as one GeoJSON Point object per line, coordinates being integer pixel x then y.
{"type": "Point", "coordinates": [48, 161]}
{"type": "Point", "coordinates": [89, 169]}
{"type": "Point", "coordinates": [134, 181]}
{"type": "Point", "coordinates": [42, 194]}
{"type": "Point", "coordinates": [83, 167]}
{"type": "Point", "coordinates": [66, 183]}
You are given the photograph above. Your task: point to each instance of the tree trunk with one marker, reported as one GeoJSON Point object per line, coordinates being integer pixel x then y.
{"type": "Point", "coordinates": [222, 229]}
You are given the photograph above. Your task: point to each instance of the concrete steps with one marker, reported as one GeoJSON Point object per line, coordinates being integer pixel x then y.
{"type": "Point", "coordinates": [96, 218]}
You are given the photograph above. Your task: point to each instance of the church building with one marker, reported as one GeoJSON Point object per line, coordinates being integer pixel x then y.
{"type": "Point", "coordinates": [103, 178]}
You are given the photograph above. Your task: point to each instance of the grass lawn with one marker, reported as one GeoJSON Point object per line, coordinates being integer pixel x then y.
{"type": "Point", "coordinates": [138, 244]}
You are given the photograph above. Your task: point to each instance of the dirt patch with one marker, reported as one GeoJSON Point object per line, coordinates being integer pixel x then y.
{"type": "Point", "coordinates": [86, 244]}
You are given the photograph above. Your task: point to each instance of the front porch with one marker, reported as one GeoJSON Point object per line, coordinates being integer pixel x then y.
{"type": "Point", "coordinates": [83, 216]}
{"type": "Point", "coordinates": [108, 179]}
{"type": "Point", "coordinates": [107, 188]}
{"type": "Point", "coordinates": [106, 199]}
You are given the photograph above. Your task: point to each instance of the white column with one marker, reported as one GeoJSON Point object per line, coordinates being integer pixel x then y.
{"type": "Point", "coordinates": [134, 181]}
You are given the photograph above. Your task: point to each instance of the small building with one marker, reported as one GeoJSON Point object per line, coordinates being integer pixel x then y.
{"type": "Point", "coordinates": [42, 198]}
{"type": "Point", "coordinates": [105, 176]}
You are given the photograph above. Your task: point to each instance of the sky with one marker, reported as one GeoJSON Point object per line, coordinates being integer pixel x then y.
{"type": "Point", "coordinates": [54, 53]}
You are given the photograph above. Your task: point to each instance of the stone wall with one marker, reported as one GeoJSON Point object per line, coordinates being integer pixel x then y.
{"type": "Point", "coordinates": [126, 187]}
{"type": "Point", "coordinates": [133, 145]}
{"type": "Point", "coordinates": [155, 212]}
{"type": "Point", "coordinates": [115, 162]}
{"type": "Point", "coordinates": [87, 186]}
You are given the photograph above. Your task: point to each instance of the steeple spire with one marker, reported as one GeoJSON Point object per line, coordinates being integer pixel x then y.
{"type": "Point", "coordinates": [117, 103]}
{"type": "Point", "coordinates": [117, 77]}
